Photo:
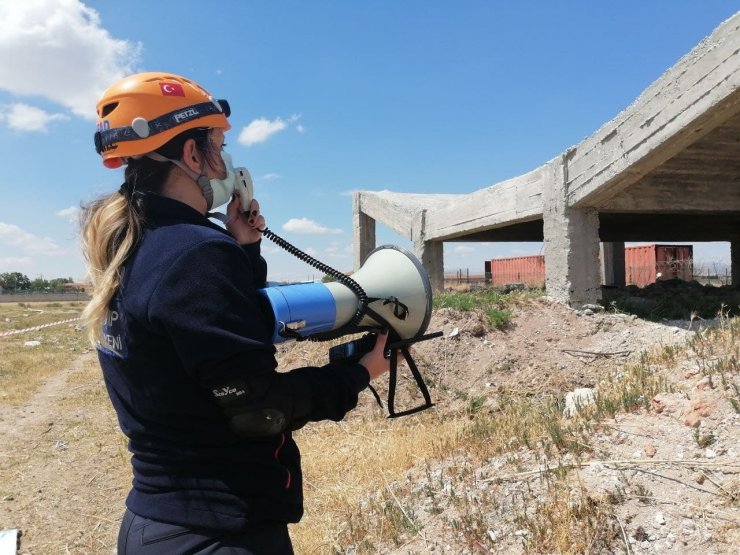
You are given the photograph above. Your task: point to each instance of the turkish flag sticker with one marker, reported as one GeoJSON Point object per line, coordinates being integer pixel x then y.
{"type": "Point", "coordinates": [172, 89]}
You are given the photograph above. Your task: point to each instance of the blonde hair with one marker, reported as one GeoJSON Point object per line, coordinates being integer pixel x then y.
{"type": "Point", "coordinates": [111, 228]}
{"type": "Point", "coordinates": [112, 225]}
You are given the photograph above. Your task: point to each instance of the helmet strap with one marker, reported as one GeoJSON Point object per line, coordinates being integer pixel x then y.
{"type": "Point", "coordinates": [202, 180]}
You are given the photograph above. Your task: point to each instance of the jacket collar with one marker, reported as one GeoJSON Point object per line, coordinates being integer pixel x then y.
{"type": "Point", "coordinates": [163, 211]}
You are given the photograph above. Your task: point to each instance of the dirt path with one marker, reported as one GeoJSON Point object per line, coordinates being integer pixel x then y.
{"type": "Point", "coordinates": [24, 421]}
{"type": "Point", "coordinates": [56, 468]}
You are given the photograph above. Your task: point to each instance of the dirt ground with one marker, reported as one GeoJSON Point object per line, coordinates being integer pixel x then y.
{"type": "Point", "coordinates": [683, 494]}
{"type": "Point", "coordinates": [66, 478]}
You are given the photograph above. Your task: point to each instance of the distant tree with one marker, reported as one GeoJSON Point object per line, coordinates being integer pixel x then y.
{"type": "Point", "coordinates": [58, 285]}
{"type": "Point", "coordinates": [15, 281]}
{"type": "Point", "coordinates": [328, 279]}
{"type": "Point", "coordinates": [39, 284]}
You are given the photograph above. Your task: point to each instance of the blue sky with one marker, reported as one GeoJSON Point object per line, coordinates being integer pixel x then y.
{"type": "Point", "coordinates": [328, 97]}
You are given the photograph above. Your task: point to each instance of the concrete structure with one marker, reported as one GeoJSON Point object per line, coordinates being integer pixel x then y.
{"type": "Point", "coordinates": [667, 168]}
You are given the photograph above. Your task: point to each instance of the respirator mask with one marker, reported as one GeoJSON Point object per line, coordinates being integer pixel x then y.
{"type": "Point", "coordinates": [218, 191]}
{"type": "Point", "coordinates": [237, 180]}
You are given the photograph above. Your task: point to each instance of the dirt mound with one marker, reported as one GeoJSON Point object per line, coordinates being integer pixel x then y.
{"type": "Point", "coordinates": [547, 347]}
{"type": "Point", "coordinates": [667, 477]}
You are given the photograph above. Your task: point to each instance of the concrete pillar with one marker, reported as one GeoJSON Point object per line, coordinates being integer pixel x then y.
{"type": "Point", "coordinates": [571, 242]}
{"type": "Point", "coordinates": [430, 253]}
{"type": "Point", "coordinates": [364, 233]}
{"type": "Point", "coordinates": [612, 264]}
{"type": "Point", "coordinates": [735, 263]}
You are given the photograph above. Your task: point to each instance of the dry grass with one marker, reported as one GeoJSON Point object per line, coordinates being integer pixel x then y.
{"type": "Point", "coordinates": [561, 522]}
{"type": "Point", "coordinates": [63, 465]}
{"type": "Point", "coordinates": [365, 456]}
{"type": "Point", "coordinates": [359, 495]}
{"type": "Point", "coordinates": [358, 489]}
{"type": "Point", "coordinates": [23, 368]}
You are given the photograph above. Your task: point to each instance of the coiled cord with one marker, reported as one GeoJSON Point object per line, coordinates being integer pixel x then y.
{"type": "Point", "coordinates": [328, 270]}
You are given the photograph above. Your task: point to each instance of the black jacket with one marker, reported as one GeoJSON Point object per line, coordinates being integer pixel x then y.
{"type": "Point", "coordinates": [185, 322]}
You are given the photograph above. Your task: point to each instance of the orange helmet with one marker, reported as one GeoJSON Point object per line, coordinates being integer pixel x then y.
{"type": "Point", "coordinates": [141, 112]}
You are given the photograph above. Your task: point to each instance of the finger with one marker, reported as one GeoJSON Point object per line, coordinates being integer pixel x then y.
{"type": "Point", "coordinates": [258, 222]}
{"type": "Point", "coordinates": [254, 206]}
{"type": "Point", "coordinates": [381, 342]}
{"type": "Point", "coordinates": [232, 211]}
{"type": "Point", "coordinates": [233, 206]}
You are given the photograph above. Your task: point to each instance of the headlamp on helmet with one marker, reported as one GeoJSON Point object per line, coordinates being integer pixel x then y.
{"type": "Point", "coordinates": [140, 113]}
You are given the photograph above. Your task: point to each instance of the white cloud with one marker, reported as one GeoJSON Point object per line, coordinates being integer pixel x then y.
{"type": "Point", "coordinates": [71, 214]}
{"type": "Point", "coordinates": [306, 226]}
{"type": "Point", "coordinates": [58, 50]}
{"type": "Point", "coordinates": [13, 236]}
{"type": "Point", "coordinates": [267, 249]}
{"type": "Point", "coordinates": [463, 249]}
{"type": "Point", "coordinates": [261, 129]}
{"type": "Point", "coordinates": [23, 117]}
{"type": "Point", "coordinates": [271, 176]}
{"type": "Point", "coordinates": [336, 250]}
{"type": "Point", "coordinates": [300, 128]}
{"type": "Point", "coordinates": [15, 262]}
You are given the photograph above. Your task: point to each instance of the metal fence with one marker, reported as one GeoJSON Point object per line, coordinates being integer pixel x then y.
{"type": "Point", "coordinates": [464, 277]}
{"type": "Point", "coordinates": [713, 273]}
{"type": "Point", "coordinates": [706, 273]}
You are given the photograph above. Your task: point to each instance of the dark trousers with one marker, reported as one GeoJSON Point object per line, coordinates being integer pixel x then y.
{"type": "Point", "coordinates": [142, 536]}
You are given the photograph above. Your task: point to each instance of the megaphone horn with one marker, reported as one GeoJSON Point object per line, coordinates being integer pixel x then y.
{"type": "Point", "coordinates": [398, 296]}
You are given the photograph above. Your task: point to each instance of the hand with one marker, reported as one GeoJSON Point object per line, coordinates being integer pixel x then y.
{"type": "Point", "coordinates": [375, 361]}
{"type": "Point", "coordinates": [245, 226]}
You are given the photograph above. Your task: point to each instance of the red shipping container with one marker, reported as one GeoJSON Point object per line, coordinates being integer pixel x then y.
{"type": "Point", "coordinates": [529, 270]}
{"type": "Point", "coordinates": [646, 264]}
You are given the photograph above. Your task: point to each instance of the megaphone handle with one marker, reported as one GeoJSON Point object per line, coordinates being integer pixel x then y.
{"type": "Point", "coordinates": [393, 378]}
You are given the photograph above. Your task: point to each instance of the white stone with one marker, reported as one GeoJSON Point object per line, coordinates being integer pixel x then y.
{"type": "Point", "coordinates": [32, 343]}
{"type": "Point", "coordinates": [578, 399]}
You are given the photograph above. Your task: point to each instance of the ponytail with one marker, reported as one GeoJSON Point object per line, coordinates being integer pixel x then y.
{"type": "Point", "coordinates": [111, 229]}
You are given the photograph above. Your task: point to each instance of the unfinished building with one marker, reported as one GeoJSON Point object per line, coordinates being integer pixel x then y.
{"type": "Point", "coordinates": [667, 168]}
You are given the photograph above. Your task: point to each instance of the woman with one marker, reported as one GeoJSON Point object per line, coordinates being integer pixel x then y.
{"type": "Point", "coordinates": [183, 338]}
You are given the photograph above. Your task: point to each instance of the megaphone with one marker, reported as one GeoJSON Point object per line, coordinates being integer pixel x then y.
{"type": "Point", "coordinates": [398, 297]}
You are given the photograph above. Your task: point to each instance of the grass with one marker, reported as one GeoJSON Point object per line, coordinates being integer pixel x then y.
{"type": "Point", "coordinates": [373, 484]}
{"type": "Point", "coordinates": [388, 452]}
{"type": "Point", "coordinates": [24, 368]}
{"type": "Point", "coordinates": [495, 305]}
{"type": "Point", "coordinates": [64, 471]}
{"type": "Point", "coordinates": [552, 522]}
{"type": "Point", "coordinates": [469, 300]}
{"type": "Point", "coordinates": [560, 523]}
